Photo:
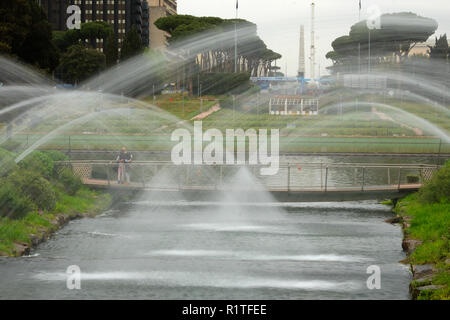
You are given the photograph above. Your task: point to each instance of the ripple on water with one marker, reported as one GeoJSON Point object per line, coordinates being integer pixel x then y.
{"type": "Point", "coordinates": [192, 279]}
{"type": "Point", "coordinates": [256, 256]}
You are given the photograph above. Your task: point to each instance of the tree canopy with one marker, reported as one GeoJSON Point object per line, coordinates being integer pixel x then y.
{"type": "Point", "coordinates": [112, 50]}
{"type": "Point", "coordinates": [26, 33]}
{"type": "Point", "coordinates": [217, 55]}
{"type": "Point", "coordinates": [89, 31]}
{"type": "Point", "coordinates": [398, 34]}
{"type": "Point", "coordinates": [79, 63]}
{"type": "Point", "coordinates": [440, 50]}
{"type": "Point", "coordinates": [132, 44]}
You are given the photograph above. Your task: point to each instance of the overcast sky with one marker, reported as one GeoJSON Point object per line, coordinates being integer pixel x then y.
{"type": "Point", "coordinates": [279, 20]}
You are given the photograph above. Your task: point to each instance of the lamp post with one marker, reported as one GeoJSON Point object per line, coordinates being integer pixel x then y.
{"type": "Point", "coordinates": [369, 53]}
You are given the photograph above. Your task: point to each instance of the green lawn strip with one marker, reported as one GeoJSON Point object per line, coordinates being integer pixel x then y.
{"type": "Point", "coordinates": [291, 143]}
{"type": "Point", "coordinates": [86, 202]}
{"type": "Point", "coordinates": [430, 224]}
{"type": "Point", "coordinates": [183, 109]}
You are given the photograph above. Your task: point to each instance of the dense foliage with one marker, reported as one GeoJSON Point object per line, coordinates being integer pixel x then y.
{"type": "Point", "coordinates": [26, 33]}
{"type": "Point", "coordinates": [34, 187]}
{"type": "Point", "coordinates": [214, 50]}
{"type": "Point", "coordinates": [13, 204]}
{"type": "Point", "coordinates": [111, 50]}
{"type": "Point", "coordinates": [34, 184]}
{"type": "Point", "coordinates": [223, 83]}
{"type": "Point", "coordinates": [70, 182]}
{"type": "Point", "coordinates": [438, 188]}
{"type": "Point", "coordinates": [38, 162]}
{"type": "Point", "coordinates": [132, 44]}
{"type": "Point", "coordinates": [440, 50]}
{"type": "Point", "coordinates": [217, 54]}
{"type": "Point", "coordinates": [87, 34]}
{"type": "Point", "coordinates": [7, 163]}
{"type": "Point", "coordinates": [79, 63]}
{"type": "Point", "coordinates": [79, 58]}
{"type": "Point", "coordinates": [430, 212]}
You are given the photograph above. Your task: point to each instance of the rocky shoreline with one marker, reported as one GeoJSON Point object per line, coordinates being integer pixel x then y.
{"type": "Point", "coordinates": [23, 249]}
{"type": "Point", "coordinates": [422, 274]}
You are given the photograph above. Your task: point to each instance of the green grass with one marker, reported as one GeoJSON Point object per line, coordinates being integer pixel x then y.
{"type": "Point", "coordinates": [161, 142]}
{"type": "Point", "coordinates": [431, 224]}
{"type": "Point", "coordinates": [184, 109]}
{"type": "Point", "coordinates": [145, 129]}
{"type": "Point", "coordinates": [86, 202]}
{"type": "Point", "coordinates": [431, 221]}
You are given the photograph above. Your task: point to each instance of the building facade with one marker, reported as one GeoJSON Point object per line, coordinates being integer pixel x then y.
{"type": "Point", "coordinates": [56, 12]}
{"type": "Point", "coordinates": [160, 9]}
{"type": "Point", "coordinates": [121, 14]}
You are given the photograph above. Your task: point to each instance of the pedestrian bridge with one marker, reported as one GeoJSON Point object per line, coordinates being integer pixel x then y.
{"type": "Point", "coordinates": [293, 182]}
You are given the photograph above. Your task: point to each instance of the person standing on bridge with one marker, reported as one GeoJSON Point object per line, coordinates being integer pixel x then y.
{"type": "Point", "coordinates": [123, 158]}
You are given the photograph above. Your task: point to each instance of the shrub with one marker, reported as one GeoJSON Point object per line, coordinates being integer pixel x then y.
{"type": "Point", "coordinates": [12, 204]}
{"type": "Point", "coordinates": [56, 155]}
{"type": "Point", "coordinates": [70, 182]}
{"type": "Point", "coordinates": [38, 162]}
{"type": "Point", "coordinates": [412, 178]}
{"type": "Point", "coordinates": [35, 188]}
{"type": "Point", "coordinates": [438, 188]}
{"type": "Point", "coordinates": [7, 163]}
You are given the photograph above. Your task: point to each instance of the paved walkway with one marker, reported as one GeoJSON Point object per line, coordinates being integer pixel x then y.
{"type": "Point", "coordinates": [383, 116]}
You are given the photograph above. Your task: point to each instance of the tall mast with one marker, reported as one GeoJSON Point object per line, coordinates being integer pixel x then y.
{"type": "Point", "coordinates": [313, 46]}
{"type": "Point", "coordinates": [301, 54]}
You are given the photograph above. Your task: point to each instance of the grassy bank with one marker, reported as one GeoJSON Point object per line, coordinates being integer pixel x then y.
{"type": "Point", "coordinates": [37, 198]}
{"type": "Point", "coordinates": [36, 226]}
{"type": "Point", "coordinates": [426, 221]}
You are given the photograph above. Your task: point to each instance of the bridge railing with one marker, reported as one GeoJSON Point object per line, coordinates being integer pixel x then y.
{"type": "Point", "coordinates": [290, 176]}
{"type": "Point", "coordinates": [292, 144]}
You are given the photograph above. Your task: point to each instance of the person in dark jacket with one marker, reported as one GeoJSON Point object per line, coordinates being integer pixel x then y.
{"type": "Point", "coordinates": [123, 158]}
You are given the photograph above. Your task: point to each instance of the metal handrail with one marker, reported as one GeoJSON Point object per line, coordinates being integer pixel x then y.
{"type": "Point", "coordinates": [281, 165]}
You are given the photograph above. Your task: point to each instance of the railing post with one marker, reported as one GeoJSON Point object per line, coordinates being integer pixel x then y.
{"type": "Point", "coordinates": [389, 176]}
{"type": "Point", "coordinates": [289, 178]}
{"type": "Point", "coordinates": [321, 176]}
{"type": "Point", "coordinates": [439, 152]}
{"type": "Point", "coordinates": [188, 167]}
{"type": "Point", "coordinates": [363, 178]}
{"type": "Point", "coordinates": [215, 180]}
{"type": "Point", "coordinates": [180, 170]}
{"type": "Point", "coordinates": [70, 149]}
{"type": "Point", "coordinates": [326, 179]}
{"type": "Point", "coordinates": [108, 168]}
{"type": "Point", "coordinates": [399, 178]}
{"type": "Point", "coordinates": [221, 175]}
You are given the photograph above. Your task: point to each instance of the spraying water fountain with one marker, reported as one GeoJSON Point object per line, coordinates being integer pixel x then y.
{"type": "Point", "coordinates": [230, 243]}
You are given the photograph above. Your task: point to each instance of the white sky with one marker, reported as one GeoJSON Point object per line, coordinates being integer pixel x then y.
{"type": "Point", "coordinates": [279, 21]}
